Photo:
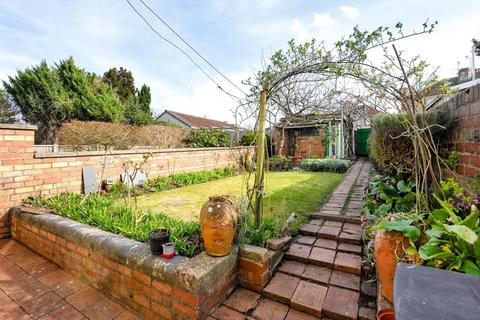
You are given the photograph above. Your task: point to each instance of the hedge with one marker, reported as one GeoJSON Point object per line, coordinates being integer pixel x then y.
{"type": "Point", "coordinates": [328, 165]}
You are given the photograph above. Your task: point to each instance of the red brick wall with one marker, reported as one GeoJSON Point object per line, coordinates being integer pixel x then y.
{"type": "Point", "coordinates": [125, 269]}
{"type": "Point", "coordinates": [24, 173]}
{"type": "Point", "coordinates": [466, 135]}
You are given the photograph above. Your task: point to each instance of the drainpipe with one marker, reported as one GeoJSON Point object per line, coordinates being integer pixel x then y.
{"type": "Point", "coordinates": [330, 149]}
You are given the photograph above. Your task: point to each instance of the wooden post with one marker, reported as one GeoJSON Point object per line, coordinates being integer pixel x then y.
{"type": "Point", "coordinates": [259, 175]}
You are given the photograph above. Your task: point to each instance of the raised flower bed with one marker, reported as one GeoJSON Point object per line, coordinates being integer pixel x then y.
{"type": "Point", "coordinates": [125, 269]}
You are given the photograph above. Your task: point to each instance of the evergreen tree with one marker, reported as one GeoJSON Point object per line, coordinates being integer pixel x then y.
{"type": "Point", "coordinates": [7, 111]}
{"type": "Point", "coordinates": [122, 81]}
{"type": "Point", "coordinates": [49, 96]}
{"type": "Point", "coordinates": [144, 98]}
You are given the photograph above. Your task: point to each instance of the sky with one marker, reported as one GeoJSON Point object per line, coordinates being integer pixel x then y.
{"type": "Point", "coordinates": [234, 35]}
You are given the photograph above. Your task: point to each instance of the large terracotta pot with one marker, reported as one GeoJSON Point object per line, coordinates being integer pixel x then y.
{"type": "Point", "coordinates": [218, 221]}
{"type": "Point", "coordinates": [389, 245]}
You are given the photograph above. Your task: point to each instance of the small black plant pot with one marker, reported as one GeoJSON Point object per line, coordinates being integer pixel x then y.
{"type": "Point", "coordinates": [157, 238]}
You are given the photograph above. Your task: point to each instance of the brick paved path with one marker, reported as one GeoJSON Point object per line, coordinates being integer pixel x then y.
{"type": "Point", "coordinates": [320, 276]}
{"type": "Point", "coordinates": [31, 287]}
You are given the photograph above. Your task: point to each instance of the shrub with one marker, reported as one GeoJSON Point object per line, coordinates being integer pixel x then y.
{"type": "Point", "coordinates": [453, 160]}
{"type": "Point", "coordinates": [248, 139]}
{"type": "Point", "coordinates": [91, 135]}
{"type": "Point", "coordinates": [391, 150]}
{"type": "Point", "coordinates": [329, 165]}
{"type": "Point", "coordinates": [201, 138]}
{"type": "Point", "coordinates": [280, 163]}
{"type": "Point", "coordinates": [110, 214]}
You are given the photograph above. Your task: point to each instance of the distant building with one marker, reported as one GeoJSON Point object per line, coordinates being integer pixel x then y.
{"type": "Point", "coordinates": [193, 122]}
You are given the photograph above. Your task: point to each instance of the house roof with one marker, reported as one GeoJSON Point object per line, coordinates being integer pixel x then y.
{"type": "Point", "coordinates": [199, 122]}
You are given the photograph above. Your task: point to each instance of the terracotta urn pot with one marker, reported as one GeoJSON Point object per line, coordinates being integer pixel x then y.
{"type": "Point", "coordinates": [389, 245]}
{"type": "Point", "coordinates": [218, 221]}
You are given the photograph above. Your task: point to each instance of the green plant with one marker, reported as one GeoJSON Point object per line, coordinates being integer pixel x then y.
{"type": "Point", "coordinates": [200, 138]}
{"type": "Point", "coordinates": [390, 194]}
{"type": "Point", "coordinates": [178, 180]}
{"type": "Point", "coordinates": [268, 229]}
{"type": "Point", "coordinates": [248, 138]}
{"type": "Point", "coordinates": [453, 160]}
{"type": "Point", "coordinates": [329, 165]}
{"type": "Point", "coordinates": [453, 242]}
{"type": "Point", "coordinates": [280, 163]}
{"type": "Point", "coordinates": [110, 214]}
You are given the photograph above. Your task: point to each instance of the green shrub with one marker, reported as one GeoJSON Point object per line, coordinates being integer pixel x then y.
{"type": "Point", "coordinates": [453, 160]}
{"type": "Point", "coordinates": [280, 163]}
{"type": "Point", "coordinates": [179, 180]}
{"type": "Point", "coordinates": [109, 213]}
{"type": "Point", "coordinates": [269, 229]}
{"type": "Point", "coordinates": [328, 165]}
{"type": "Point", "coordinates": [392, 150]}
{"type": "Point", "coordinates": [248, 139]}
{"type": "Point", "coordinates": [201, 138]}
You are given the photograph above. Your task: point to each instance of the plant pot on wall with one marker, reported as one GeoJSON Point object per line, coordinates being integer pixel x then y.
{"type": "Point", "coordinates": [389, 245]}
{"type": "Point", "coordinates": [218, 221]}
{"type": "Point", "coordinates": [157, 238]}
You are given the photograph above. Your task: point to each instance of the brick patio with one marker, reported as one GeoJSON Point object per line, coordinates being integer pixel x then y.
{"type": "Point", "coordinates": [31, 287]}
{"type": "Point", "coordinates": [320, 275]}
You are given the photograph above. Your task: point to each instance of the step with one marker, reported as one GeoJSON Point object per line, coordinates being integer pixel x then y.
{"type": "Point", "coordinates": [335, 217]}
{"type": "Point", "coordinates": [325, 257]}
{"type": "Point", "coordinates": [307, 287]}
{"type": "Point", "coordinates": [346, 232]}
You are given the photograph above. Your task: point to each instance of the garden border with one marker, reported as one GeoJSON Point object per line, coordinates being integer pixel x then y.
{"type": "Point", "coordinates": [125, 269]}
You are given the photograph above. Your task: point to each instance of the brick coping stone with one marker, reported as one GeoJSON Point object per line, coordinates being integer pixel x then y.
{"type": "Point", "coordinates": [9, 126]}
{"type": "Point", "coordinates": [195, 275]}
{"type": "Point", "coordinates": [133, 151]}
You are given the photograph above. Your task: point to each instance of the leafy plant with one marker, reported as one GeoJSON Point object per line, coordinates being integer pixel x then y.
{"type": "Point", "coordinates": [110, 214]}
{"type": "Point", "coordinates": [453, 160]}
{"type": "Point", "coordinates": [280, 163]}
{"type": "Point", "coordinates": [390, 194]}
{"type": "Point", "coordinates": [178, 180]}
{"type": "Point", "coordinates": [248, 138]}
{"type": "Point", "coordinates": [328, 165]}
{"type": "Point", "coordinates": [453, 242]}
{"type": "Point", "coordinates": [200, 138]}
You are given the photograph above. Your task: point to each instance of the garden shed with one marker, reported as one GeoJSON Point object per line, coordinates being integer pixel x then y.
{"type": "Point", "coordinates": [320, 136]}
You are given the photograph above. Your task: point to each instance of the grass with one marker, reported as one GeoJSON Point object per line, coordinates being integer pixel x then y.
{"type": "Point", "coordinates": [299, 192]}
{"type": "Point", "coordinates": [178, 209]}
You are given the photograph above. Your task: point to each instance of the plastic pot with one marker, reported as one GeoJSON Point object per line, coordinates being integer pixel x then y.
{"type": "Point", "coordinates": [168, 250]}
{"type": "Point", "coordinates": [157, 238]}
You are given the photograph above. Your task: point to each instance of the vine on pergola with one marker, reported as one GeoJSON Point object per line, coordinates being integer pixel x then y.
{"type": "Point", "coordinates": [304, 80]}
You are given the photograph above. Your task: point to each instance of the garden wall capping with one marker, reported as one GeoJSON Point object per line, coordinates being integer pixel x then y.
{"type": "Point", "coordinates": [41, 155]}
{"type": "Point", "coordinates": [15, 126]}
{"type": "Point", "coordinates": [196, 284]}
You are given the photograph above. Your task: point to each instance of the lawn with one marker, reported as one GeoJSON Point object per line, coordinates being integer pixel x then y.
{"type": "Point", "coordinates": [300, 192]}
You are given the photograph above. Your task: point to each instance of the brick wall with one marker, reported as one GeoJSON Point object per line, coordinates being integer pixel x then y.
{"type": "Point", "coordinates": [466, 135]}
{"type": "Point", "coordinates": [24, 173]}
{"type": "Point", "coordinates": [257, 265]}
{"type": "Point", "coordinates": [156, 288]}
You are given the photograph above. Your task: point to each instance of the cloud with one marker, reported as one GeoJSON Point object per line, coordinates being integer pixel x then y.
{"type": "Point", "coordinates": [322, 20]}
{"type": "Point", "coordinates": [350, 12]}
{"type": "Point", "coordinates": [305, 30]}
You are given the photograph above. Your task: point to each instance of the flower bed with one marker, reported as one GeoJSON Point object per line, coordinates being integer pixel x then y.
{"type": "Point", "coordinates": [110, 213]}
{"type": "Point", "coordinates": [125, 269]}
